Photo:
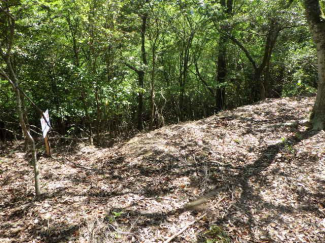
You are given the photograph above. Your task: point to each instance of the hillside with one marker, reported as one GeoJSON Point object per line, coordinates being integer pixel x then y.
{"type": "Point", "coordinates": [253, 174]}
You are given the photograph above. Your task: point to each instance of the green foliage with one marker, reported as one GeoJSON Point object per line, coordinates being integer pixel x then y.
{"type": "Point", "coordinates": [216, 234]}
{"type": "Point", "coordinates": [288, 145]}
{"type": "Point", "coordinates": [301, 72]}
{"type": "Point", "coordinates": [70, 57]}
{"type": "Point", "coordinates": [112, 217]}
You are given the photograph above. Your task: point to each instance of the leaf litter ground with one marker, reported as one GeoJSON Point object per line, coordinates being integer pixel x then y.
{"type": "Point", "coordinates": [253, 174]}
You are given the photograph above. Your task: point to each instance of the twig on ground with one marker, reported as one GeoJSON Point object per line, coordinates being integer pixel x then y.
{"type": "Point", "coordinates": [170, 239]}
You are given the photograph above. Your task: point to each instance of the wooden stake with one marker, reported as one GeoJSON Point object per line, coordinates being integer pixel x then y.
{"type": "Point", "coordinates": [47, 146]}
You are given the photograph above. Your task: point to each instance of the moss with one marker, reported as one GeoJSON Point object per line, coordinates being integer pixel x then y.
{"type": "Point", "coordinates": [318, 124]}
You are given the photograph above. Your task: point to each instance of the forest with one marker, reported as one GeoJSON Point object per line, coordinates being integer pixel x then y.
{"type": "Point", "coordinates": [108, 67]}
{"type": "Point", "coordinates": [169, 121]}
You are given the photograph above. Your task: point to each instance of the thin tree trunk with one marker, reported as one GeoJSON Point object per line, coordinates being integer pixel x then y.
{"type": "Point", "coordinates": [141, 73]}
{"type": "Point", "coordinates": [152, 91]}
{"type": "Point", "coordinates": [73, 31]}
{"type": "Point", "coordinates": [13, 80]}
{"type": "Point", "coordinates": [222, 62]}
{"type": "Point", "coordinates": [140, 100]}
{"type": "Point", "coordinates": [316, 23]}
{"type": "Point", "coordinates": [88, 122]}
{"type": "Point", "coordinates": [258, 91]}
{"type": "Point", "coordinates": [184, 65]}
{"type": "Point", "coordinates": [31, 141]}
{"type": "Point", "coordinates": [98, 115]}
{"type": "Point", "coordinates": [267, 81]}
{"type": "Point", "coordinates": [221, 74]}
{"type": "Point", "coordinates": [23, 108]}
{"type": "Point", "coordinates": [93, 67]}
{"type": "Point", "coordinates": [269, 46]}
{"type": "Point", "coordinates": [258, 87]}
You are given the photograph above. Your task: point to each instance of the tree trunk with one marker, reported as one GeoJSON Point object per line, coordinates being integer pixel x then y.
{"type": "Point", "coordinates": [141, 73]}
{"type": "Point", "coordinates": [25, 117]}
{"type": "Point", "coordinates": [258, 86]}
{"type": "Point", "coordinates": [88, 121]}
{"type": "Point", "coordinates": [13, 80]}
{"type": "Point", "coordinates": [318, 114]}
{"type": "Point", "coordinates": [28, 137]}
{"type": "Point", "coordinates": [184, 66]}
{"type": "Point", "coordinates": [140, 100]}
{"type": "Point", "coordinates": [267, 82]}
{"type": "Point", "coordinates": [93, 70]}
{"type": "Point", "coordinates": [269, 46]}
{"type": "Point", "coordinates": [152, 91]}
{"type": "Point", "coordinates": [74, 33]}
{"type": "Point", "coordinates": [258, 91]}
{"type": "Point", "coordinates": [221, 74]}
{"type": "Point", "coordinates": [31, 141]}
{"type": "Point", "coordinates": [98, 115]}
{"type": "Point", "coordinates": [222, 62]}
{"type": "Point", "coordinates": [24, 124]}
{"type": "Point", "coordinates": [317, 27]}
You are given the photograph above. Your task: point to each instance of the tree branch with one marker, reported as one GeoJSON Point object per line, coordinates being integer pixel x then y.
{"type": "Point", "coordinates": [132, 67]}
{"type": "Point", "coordinates": [202, 79]}
{"type": "Point", "coordinates": [16, 86]}
{"type": "Point", "coordinates": [241, 46]}
{"type": "Point", "coordinates": [170, 239]}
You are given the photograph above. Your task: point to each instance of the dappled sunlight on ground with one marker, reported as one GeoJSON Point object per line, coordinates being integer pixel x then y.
{"type": "Point", "coordinates": [256, 171]}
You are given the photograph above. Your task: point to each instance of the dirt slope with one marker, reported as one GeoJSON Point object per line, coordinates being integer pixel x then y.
{"type": "Point", "coordinates": [254, 174]}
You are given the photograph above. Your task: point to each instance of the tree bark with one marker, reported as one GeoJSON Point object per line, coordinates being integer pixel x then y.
{"type": "Point", "coordinates": [88, 121]}
{"type": "Point", "coordinates": [141, 73]}
{"type": "Point", "coordinates": [258, 87]}
{"type": "Point", "coordinates": [93, 69]}
{"type": "Point", "coordinates": [269, 46]}
{"type": "Point", "coordinates": [152, 91]}
{"type": "Point", "coordinates": [10, 75]}
{"type": "Point", "coordinates": [316, 23]}
{"type": "Point", "coordinates": [140, 100]}
{"type": "Point", "coordinates": [222, 62]}
{"type": "Point", "coordinates": [221, 74]}
{"type": "Point", "coordinates": [31, 140]}
{"type": "Point", "coordinates": [24, 126]}
{"type": "Point", "coordinates": [184, 66]}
